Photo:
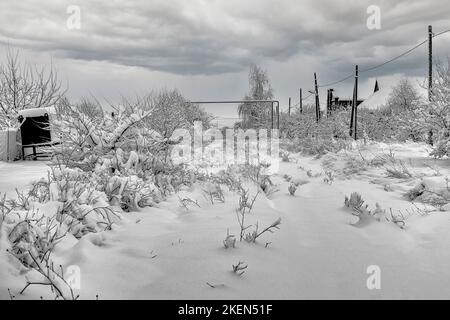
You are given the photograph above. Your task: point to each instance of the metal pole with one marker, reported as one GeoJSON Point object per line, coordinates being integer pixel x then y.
{"type": "Point", "coordinates": [317, 98]}
{"type": "Point", "coordinates": [7, 144]}
{"type": "Point", "coordinates": [272, 115]}
{"type": "Point", "coordinates": [328, 102]}
{"type": "Point", "coordinates": [289, 106]}
{"type": "Point", "coordinates": [352, 116]}
{"type": "Point", "coordinates": [278, 115]}
{"type": "Point", "coordinates": [301, 101]}
{"type": "Point", "coordinates": [356, 103]}
{"type": "Point", "coordinates": [430, 61]}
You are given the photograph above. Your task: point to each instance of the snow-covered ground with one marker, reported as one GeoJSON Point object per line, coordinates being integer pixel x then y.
{"type": "Point", "coordinates": [19, 174]}
{"type": "Point", "coordinates": [168, 252]}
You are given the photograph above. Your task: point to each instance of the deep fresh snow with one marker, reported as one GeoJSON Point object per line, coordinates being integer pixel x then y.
{"type": "Point", "coordinates": [170, 253]}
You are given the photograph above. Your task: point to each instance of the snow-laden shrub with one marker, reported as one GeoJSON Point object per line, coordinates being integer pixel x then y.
{"type": "Point", "coordinates": [258, 174]}
{"type": "Point", "coordinates": [396, 168]}
{"type": "Point", "coordinates": [306, 135]}
{"type": "Point", "coordinates": [320, 146]}
{"type": "Point", "coordinates": [213, 192]}
{"type": "Point", "coordinates": [246, 202]}
{"type": "Point", "coordinates": [360, 210]}
{"type": "Point", "coordinates": [355, 202]}
{"type": "Point", "coordinates": [104, 164]}
{"type": "Point", "coordinates": [70, 197]}
{"type": "Point", "coordinates": [329, 177]}
{"type": "Point", "coordinates": [171, 111]}
{"type": "Point", "coordinates": [251, 237]}
{"type": "Point", "coordinates": [436, 112]}
{"type": "Point", "coordinates": [85, 139]}
{"type": "Point", "coordinates": [353, 165]}
{"type": "Point", "coordinates": [239, 268]}
{"type": "Point", "coordinates": [230, 241]}
{"type": "Point", "coordinates": [128, 161]}
{"type": "Point", "coordinates": [33, 233]}
{"type": "Point", "coordinates": [292, 188]}
{"type": "Point", "coordinates": [399, 119]}
{"type": "Point", "coordinates": [431, 190]}
{"type": "Point", "coordinates": [442, 146]}
{"type": "Point", "coordinates": [284, 155]}
{"type": "Point", "coordinates": [303, 125]}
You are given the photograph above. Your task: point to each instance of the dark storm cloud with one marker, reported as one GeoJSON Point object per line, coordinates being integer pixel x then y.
{"type": "Point", "coordinates": [209, 37]}
{"type": "Point", "coordinates": [205, 47]}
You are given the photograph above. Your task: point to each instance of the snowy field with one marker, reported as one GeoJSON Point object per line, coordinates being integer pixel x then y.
{"type": "Point", "coordinates": [321, 250]}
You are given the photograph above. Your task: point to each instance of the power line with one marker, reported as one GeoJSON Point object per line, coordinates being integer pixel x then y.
{"type": "Point", "coordinates": [303, 99]}
{"type": "Point", "coordinates": [396, 58]}
{"type": "Point", "coordinates": [438, 34]}
{"type": "Point", "coordinates": [384, 63]}
{"type": "Point", "coordinates": [335, 82]}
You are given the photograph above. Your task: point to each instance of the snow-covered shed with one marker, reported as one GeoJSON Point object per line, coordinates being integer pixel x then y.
{"type": "Point", "coordinates": [35, 130]}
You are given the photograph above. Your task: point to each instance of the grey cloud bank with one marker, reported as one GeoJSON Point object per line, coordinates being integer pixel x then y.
{"type": "Point", "coordinates": [205, 47]}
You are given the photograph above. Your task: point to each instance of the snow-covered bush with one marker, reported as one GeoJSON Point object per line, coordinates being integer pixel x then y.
{"type": "Point", "coordinates": [355, 202]}
{"type": "Point", "coordinates": [360, 210]}
{"type": "Point", "coordinates": [251, 237]}
{"type": "Point", "coordinates": [436, 112]}
{"type": "Point", "coordinates": [329, 177]}
{"type": "Point", "coordinates": [292, 188]}
{"type": "Point", "coordinates": [239, 268]}
{"type": "Point", "coordinates": [284, 155]}
{"type": "Point", "coordinates": [213, 192]}
{"type": "Point", "coordinates": [442, 146]}
{"type": "Point", "coordinates": [260, 175]}
{"type": "Point", "coordinates": [353, 165]}
{"type": "Point", "coordinates": [104, 165]}
{"type": "Point", "coordinates": [33, 233]}
{"type": "Point", "coordinates": [397, 219]}
{"type": "Point", "coordinates": [316, 146]}
{"type": "Point", "coordinates": [85, 139]}
{"type": "Point", "coordinates": [128, 161]}
{"type": "Point", "coordinates": [246, 203]}
{"type": "Point", "coordinates": [431, 190]}
{"type": "Point", "coordinates": [304, 125]}
{"type": "Point", "coordinates": [396, 168]}
{"type": "Point", "coordinates": [230, 241]}
{"type": "Point", "coordinates": [186, 203]}
{"type": "Point", "coordinates": [304, 134]}
{"type": "Point", "coordinates": [171, 111]}
{"type": "Point", "coordinates": [388, 125]}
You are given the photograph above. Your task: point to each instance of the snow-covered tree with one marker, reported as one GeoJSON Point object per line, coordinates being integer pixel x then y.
{"type": "Point", "coordinates": [437, 111]}
{"type": "Point", "coordinates": [256, 114]}
{"type": "Point", "coordinates": [403, 97]}
{"type": "Point", "coordinates": [400, 119]}
{"type": "Point", "coordinates": [172, 111]}
{"type": "Point", "coordinates": [23, 86]}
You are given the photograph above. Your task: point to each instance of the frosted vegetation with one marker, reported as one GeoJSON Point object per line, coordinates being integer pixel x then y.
{"type": "Point", "coordinates": [111, 193]}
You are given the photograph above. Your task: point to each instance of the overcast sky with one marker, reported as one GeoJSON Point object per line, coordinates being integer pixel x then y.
{"type": "Point", "coordinates": [204, 48]}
